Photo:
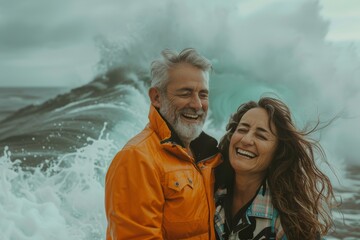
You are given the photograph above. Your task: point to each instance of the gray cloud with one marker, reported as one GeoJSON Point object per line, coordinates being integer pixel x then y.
{"type": "Point", "coordinates": [36, 24]}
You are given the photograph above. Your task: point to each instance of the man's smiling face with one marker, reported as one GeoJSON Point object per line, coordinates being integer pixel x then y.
{"type": "Point", "coordinates": [185, 103]}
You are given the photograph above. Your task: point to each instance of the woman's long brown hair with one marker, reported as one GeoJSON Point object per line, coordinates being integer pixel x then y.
{"type": "Point", "coordinates": [300, 191]}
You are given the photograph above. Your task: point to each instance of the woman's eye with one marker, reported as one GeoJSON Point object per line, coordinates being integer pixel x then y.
{"type": "Point", "coordinates": [262, 137]}
{"type": "Point", "coordinates": [241, 130]}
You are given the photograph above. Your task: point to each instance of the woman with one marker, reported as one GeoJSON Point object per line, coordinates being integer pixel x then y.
{"type": "Point", "coordinates": [269, 186]}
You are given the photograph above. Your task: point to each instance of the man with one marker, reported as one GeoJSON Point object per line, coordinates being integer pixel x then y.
{"type": "Point", "coordinates": [160, 185]}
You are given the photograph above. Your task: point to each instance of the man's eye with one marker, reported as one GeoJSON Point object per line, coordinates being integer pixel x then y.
{"type": "Point", "coordinates": [204, 96]}
{"type": "Point", "coordinates": [185, 94]}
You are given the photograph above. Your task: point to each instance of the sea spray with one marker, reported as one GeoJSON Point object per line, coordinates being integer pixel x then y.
{"type": "Point", "coordinates": [63, 202]}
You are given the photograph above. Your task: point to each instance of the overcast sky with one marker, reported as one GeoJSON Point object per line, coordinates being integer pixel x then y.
{"type": "Point", "coordinates": [307, 51]}
{"type": "Point", "coordinates": [51, 43]}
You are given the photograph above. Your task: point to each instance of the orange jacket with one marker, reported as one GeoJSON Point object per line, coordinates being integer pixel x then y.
{"type": "Point", "coordinates": [154, 189]}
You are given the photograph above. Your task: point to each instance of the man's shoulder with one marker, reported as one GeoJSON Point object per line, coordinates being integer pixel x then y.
{"type": "Point", "coordinates": [143, 145]}
{"type": "Point", "coordinates": [143, 139]}
{"type": "Point", "coordinates": [140, 148]}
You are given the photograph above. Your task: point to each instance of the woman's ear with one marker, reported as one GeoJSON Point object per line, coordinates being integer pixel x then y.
{"type": "Point", "coordinates": [154, 95]}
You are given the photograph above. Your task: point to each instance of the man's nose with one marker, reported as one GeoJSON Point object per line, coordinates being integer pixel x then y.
{"type": "Point", "coordinates": [196, 103]}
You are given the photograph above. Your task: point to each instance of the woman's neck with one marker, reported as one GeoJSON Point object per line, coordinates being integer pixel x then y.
{"type": "Point", "coordinates": [245, 188]}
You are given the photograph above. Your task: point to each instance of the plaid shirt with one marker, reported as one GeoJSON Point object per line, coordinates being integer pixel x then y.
{"type": "Point", "coordinates": [267, 222]}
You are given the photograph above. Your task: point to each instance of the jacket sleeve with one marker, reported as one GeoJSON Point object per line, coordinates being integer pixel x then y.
{"type": "Point", "coordinates": [133, 197]}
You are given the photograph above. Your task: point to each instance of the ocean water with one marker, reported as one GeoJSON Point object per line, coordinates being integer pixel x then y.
{"type": "Point", "coordinates": [56, 148]}
{"type": "Point", "coordinates": [54, 155]}
{"type": "Point", "coordinates": [14, 98]}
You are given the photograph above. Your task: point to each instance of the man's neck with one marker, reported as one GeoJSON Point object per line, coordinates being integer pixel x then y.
{"type": "Point", "coordinates": [186, 143]}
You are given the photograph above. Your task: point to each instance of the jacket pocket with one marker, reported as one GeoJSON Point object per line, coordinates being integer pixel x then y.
{"type": "Point", "coordinates": [186, 212]}
{"type": "Point", "coordinates": [178, 180]}
{"type": "Point", "coordinates": [182, 194]}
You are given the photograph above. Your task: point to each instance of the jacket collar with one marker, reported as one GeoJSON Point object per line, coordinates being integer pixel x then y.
{"type": "Point", "coordinates": [158, 124]}
{"type": "Point", "coordinates": [203, 146]}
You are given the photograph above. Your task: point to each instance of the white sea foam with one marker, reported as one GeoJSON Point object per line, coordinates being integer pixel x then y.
{"type": "Point", "coordinates": [64, 202]}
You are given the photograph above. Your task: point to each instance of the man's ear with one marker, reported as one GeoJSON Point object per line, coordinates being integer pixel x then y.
{"type": "Point", "coordinates": [154, 95]}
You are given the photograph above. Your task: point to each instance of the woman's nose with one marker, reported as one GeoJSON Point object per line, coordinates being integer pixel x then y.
{"type": "Point", "coordinates": [247, 139]}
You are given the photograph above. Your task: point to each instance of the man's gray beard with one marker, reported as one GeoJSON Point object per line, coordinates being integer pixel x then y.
{"type": "Point", "coordinates": [186, 132]}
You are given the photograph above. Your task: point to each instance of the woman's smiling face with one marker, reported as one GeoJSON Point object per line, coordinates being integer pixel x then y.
{"type": "Point", "coordinates": [253, 144]}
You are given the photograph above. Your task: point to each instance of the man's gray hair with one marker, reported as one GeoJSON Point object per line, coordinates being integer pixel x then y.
{"type": "Point", "coordinates": [160, 67]}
